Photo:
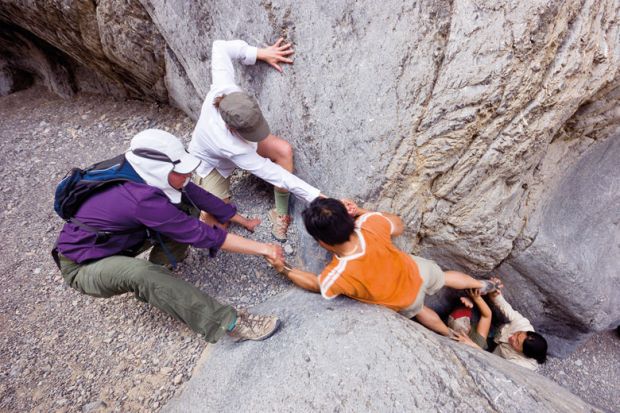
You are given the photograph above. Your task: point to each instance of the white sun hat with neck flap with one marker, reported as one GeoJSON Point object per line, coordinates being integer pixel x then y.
{"type": "Point", "coordinates": [154, 153]}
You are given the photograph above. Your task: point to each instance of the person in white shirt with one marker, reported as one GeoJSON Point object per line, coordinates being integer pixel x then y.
{"type": "Point", "coordinates": [232, 133]}
{"type": "Point", "coordinates": [516, 340]}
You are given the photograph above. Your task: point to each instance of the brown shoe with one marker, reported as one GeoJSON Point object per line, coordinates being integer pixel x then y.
{"type": "Point", "coordinates": [279, 225]}
{"type": "Point", "coordinates": [253, 327]}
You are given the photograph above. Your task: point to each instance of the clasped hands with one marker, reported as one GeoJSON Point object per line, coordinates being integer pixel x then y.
{"type": "Point", "coordinates": [275, 257]}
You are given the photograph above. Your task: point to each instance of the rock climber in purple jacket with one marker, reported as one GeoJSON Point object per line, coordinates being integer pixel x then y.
{"type": "Point", "coordinates": [161, 212]}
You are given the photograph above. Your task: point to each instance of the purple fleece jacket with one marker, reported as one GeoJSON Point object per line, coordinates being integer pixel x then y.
{"type": "Point", "coordinates": [133, 206]}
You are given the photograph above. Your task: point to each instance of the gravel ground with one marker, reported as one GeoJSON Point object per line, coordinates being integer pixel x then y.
{"type": "Point", "coordinates": [62, 351]}
{"type": "Point", "coordinates": [592, 372]}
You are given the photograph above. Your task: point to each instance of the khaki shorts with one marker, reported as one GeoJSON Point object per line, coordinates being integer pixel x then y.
{"type": "Point", "coordinates": [433, 279]}
{"type": "Point", "coordinates": [214, 183]}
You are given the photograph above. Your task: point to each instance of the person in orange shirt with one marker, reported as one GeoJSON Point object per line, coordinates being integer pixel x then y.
{"type": "Point", "coordinates": [368, 267]}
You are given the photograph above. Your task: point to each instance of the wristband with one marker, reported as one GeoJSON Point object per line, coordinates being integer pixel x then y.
{"type": "Point", "coordinates": [287, 269]}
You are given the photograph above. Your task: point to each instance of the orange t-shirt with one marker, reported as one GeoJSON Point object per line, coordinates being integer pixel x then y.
{"type": "Point", "coordinates": [379, 274]}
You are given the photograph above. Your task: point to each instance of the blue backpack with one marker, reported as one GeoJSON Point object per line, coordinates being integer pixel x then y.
{"type": "Point", "coordinates": [79, 184]}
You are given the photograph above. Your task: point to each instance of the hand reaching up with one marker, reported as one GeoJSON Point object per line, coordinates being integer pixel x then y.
{"type": "Point", "coordinates": [499, 284]}
{"type": "Point", "coordinates": [276, 54]}
{"type": "Point", "coordinates": [467, 302]}
{"type": "Point", "coordinates": [352, 208]}
{"type": "Point", "coordinates": [474, 293]}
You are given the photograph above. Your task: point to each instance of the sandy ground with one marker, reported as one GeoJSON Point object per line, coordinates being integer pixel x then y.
{"type": "Point", "coordinates": [62, 351]}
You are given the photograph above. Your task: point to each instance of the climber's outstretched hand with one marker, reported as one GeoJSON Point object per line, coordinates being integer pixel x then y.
{"type": "Point", "coordinates": [276, 54]}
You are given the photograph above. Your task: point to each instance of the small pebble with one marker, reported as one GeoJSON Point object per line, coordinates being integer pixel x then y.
{"type": "Point", "coordinates": [94, 406]}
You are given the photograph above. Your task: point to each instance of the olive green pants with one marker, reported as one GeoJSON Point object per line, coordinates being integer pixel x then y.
{"type": "Point", "coordinates": [153, 284]}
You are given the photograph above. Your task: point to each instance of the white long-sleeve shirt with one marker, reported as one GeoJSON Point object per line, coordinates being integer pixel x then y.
{"type": "Point", "coordinates": [516, 322]}
{"type": "Point", "coordinates": [217, 146]}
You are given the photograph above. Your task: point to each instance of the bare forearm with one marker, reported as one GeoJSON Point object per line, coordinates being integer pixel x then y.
{"type": "Point", "coordinates": [431, 320]}
{"type": "Point", "coordinates": [483, 307]}
{"type": "Point", "coordinates": [484, 324]}
{"type": "Point", "coordinates": [238, 219]}
{"type": "Point", "coordinates": [303, 279]}
{"type": "Point", "coordinates": [235, 243]}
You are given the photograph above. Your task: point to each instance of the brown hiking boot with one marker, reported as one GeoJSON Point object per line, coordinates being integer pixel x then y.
{"type": "Point", "coordinates": [253, 327]}
{"type": "Point", "coordinates": [279, 225]}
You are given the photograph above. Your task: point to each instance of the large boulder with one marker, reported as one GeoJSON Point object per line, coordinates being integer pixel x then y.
{"type": "Point", "coordinates": [462, 117]}
{"type": "Point", "coordinates": [349, 357]}
{"type": "Point", "coordinates": [573, 257]}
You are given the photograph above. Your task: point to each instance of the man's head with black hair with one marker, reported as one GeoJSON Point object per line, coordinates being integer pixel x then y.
{"type": "Point", "coordinates": [535, 346]}
{"type": "Point", "coordinates": [327, 220]}
{"type": "Point", "coordinates": [531, 344]}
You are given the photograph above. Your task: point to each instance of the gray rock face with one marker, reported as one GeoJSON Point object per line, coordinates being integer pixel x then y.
{"type": "Point", "coordinates": [575, 252]}
{"type": "Point", "coordinates": [462, 117]}
{"type": "Point", "coordinates": [345, 356]}
{"type": "Point", "coordinates": [22, 52]}
{"type": "Point", "coordinates": [12, 80]}
{"type": "Point", "coordinates": [113, 38]}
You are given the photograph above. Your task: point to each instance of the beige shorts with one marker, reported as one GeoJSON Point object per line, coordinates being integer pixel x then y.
{"type": "Point", "coordinates": [214, 183]}
{"type": "Point", "coordinates": [433, 279]}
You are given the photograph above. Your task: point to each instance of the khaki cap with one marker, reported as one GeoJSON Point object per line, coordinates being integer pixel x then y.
{"type": "Point", "coordinates": [240, 111]}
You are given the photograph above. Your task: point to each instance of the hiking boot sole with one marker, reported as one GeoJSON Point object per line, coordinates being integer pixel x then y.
{"type": "Point", "coordinates": [261, 338]}
{"type": "Point", "coordinates": [281, 241]}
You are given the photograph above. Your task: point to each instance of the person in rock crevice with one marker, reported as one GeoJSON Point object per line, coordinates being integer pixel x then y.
{"type": "Point", "coordinates": [368, 267]}
{"type": "Point", "coordinates": [515, 340]}
{"type": "Point", "coordinates": [461, 322]}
